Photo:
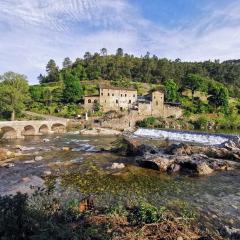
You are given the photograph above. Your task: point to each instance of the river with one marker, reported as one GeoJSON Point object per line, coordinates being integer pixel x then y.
{"type": "Point", "coordinates": [86, 170]}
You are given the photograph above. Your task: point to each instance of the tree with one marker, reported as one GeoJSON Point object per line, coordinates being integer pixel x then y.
{"type": "Point", "coordinates": [195, 82]}
{"type": "Point", "coordinates": [67, 62]}
{"type": "Point", "coordinates": [52, 71]}
{"type": "Point", "coordinates": [72, 91]}
{"type": "Point", "coordinates": [104, 52]}
{"type": "Point", "coordinates": [14, 92]}
{"type": "Point", "coordinates": [171, 91]}
{"type": "Point", "coordinates": [119, 52]}
{"type": "Point", "coordinates": [219, 98]}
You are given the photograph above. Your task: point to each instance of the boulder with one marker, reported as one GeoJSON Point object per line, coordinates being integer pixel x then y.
{"type": "Point", "coordinates": [117, 166]}
{"type": "Point", "coordinates": [38, 158]}
{"type": "Point", "coordinates": [3, 154]}
{"type": "Point", "coordinates": [156, 162]}
{"type": "Point", "coordinates": [66, 148]}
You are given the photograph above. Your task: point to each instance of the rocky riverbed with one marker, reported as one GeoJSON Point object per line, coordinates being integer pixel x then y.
{"type": "Point", "coordinates": [186, 158]}
{"type": "Point", "coordinates": [76, 165]}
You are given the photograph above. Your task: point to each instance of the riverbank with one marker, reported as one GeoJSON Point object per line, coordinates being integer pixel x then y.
{"type": "Point", "coordinates": [81, 219]}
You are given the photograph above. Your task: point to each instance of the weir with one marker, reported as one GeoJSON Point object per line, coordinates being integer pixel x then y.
{"type": "Point", "coordinates": [184, 136]}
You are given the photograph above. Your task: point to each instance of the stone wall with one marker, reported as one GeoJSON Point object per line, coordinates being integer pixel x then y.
{"type": "Point", "coordinates": [145, 109]}
{"type": "Point", "coordinates": [125, 122]}
{"type": "Point", "coordinates": [172, 111]}
{"type": "Point", "coordinates": [90, 102]}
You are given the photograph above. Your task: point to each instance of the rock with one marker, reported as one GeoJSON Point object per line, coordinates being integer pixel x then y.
{"type": "Point", "coordinates": [26, 185]}
{"type": "Point", "coordinates": [180, 149]}
{"type": "Point", "coordinates": [46, 173]}
{"type": "Point", "coordinates": [230, 233]}
{"type": "Point", "coordinates": [8, 165]}
{"type": "Point", "coordinates": [117, 166]}
{"type": "Point", "coordinates": [179, 238]}
{"type": "Point", "coordinates": [3, 154]}
{"type": "Point", "coordinates": [155, 162]}
{"type": "Point", "coordinates": [174, 168]}
{"type": "Point", "coordinates": [100, 132]}
{"type": "Point", "coordinates": [46, 140]}
{"type": "Point", "coordinates": [66, 148]}
{"type": "Point", "coordinates": [29, 161]}
{"type": "Point", "coordinates": [38, 158]}
{"type": "Point", "coordinates": [203, 169]}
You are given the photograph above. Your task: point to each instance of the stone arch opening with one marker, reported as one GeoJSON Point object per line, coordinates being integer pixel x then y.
{"type": "Point", "coordinates": [58, 128]}
{"type": "Point", "coordinates": [28, 130]}
{"type": "Point", "coordinates": [8, 133]}
{"type": "Point", "coordinates": [44, 129]}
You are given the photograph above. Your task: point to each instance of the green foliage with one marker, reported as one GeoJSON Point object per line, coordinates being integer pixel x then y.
{"type": "Point", "coordinates": [72, 91]}
{"type": "Point", "coordinates": [146, 213]}
{"type": "Point", "coordinates": [195, 82]}
{"type": "Point", "coordinates": [52, 73]}
{"type": "Point", "coordinates": [201, 123]}
{"type": "Point", "coordinates": [147, 122]}
{"type": "Point", "coordinates": [149, 69]}
{"type": "Point", "coordinates": [171, 91]}
{"type": "Point", "coordinates": [14, 92]}
{"type": "Point", "coordinates": [219, 98]}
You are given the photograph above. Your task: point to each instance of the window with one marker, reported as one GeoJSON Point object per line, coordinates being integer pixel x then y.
{"type": "Point", "coordinates": [102, 94]}
{"type": "Point", "coordinates": [95, 101]}
{"type": "Point", "coordinates": [157, 103]}
{"type": "Point", "coordinates": [133, 95]}
{"type": "Point", "coordinates": [116, 101]}
{"type": "Point", "coordinates": [89, 101]}
{"type": "Point", "coordinates": [130, 101]}
{"type": "Point", "coordinates": [105, 101]}
{"type": "Point", "coordinates": [113, 94]}
{"type": "Point", "coordinates": [121, 95]}
{"type": "Point", "coordinates": [125, 95]}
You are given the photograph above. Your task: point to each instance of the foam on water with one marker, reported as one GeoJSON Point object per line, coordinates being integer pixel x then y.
{"type": "Point", "coordinates": [85, 147]}
{"type": "Point", "coordinates": [183, 136]}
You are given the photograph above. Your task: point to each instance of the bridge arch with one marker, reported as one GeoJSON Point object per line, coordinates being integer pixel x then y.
{"type": "Point", "coordinates": [58, 128]}
{"type": "Point", "coordinates": [28, 130]}
{"type": "Point", "coordinates": [44, 129]}
{"type": "Point", "coordinates": [8, 133]}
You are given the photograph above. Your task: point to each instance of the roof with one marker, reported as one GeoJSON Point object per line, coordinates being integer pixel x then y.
{"type": "Point", "coordinates": [102, 86]}
{"type": "Point", "coordinates": [173, 104]}
{"type": "Point", "coordinates": [93, 96]}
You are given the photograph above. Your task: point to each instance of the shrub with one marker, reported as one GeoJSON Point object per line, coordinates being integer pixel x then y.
{"type": "Point", "coordinates": [147, 122]}
{"type": "Point", "coordinates": [146, 213]}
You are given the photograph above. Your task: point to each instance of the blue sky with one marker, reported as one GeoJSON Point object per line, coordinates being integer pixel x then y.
{"type": "Point", "coordinates": [33, 31]}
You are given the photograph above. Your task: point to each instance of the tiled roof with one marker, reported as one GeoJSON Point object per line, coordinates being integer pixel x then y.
{"type": "Point", "coordinates": [102, 86]}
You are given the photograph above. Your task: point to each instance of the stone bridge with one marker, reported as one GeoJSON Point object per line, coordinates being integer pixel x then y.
{"type": "Point", "coordinates": [20, 129]}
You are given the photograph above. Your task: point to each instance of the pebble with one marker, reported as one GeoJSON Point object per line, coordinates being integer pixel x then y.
{"type": "Point", "coordinates": [46, 173]}
{"type": "Point", "coordinates": [38, 158]}
{"type": "Point", "coordinates": [117, 166]}
{"type": "Point", "coordinates": [8, 165]}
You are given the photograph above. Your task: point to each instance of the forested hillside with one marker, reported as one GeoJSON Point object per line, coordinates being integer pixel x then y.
{"type": "Point", "coordinates": [147, 69]}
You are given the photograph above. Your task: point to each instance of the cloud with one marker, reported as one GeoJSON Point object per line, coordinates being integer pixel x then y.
{"type": "Point", "coordinates": [35, 31]}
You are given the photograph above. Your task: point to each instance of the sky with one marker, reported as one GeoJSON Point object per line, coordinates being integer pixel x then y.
{"type": "Point", "coordinates": [34, 31]}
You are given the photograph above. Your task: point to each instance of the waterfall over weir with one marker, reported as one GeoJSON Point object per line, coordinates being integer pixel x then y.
{"type": "Point", "coordinates": [184, 136]}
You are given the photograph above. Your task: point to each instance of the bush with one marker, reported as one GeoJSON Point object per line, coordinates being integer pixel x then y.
{"type": "Point", "coordinates": [201, 123]}
{"type": "Point", "coordinates": [147, 122]}
{"type": "Point", "coordinates": [146, 213]}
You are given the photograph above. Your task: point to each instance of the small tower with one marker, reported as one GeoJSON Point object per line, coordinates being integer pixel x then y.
{"type": "Point", "coordinates": [157, 103]}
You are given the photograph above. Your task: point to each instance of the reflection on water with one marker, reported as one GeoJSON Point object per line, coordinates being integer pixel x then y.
{"type": "Point", "coordinates": [86, 170]}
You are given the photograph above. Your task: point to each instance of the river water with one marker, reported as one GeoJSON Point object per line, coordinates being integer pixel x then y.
{"type": "Point", "coordinates": [87, 170]}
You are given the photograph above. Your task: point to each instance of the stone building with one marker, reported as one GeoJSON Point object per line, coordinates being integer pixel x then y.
{"type": "Point", "coordinates": [120, 99]}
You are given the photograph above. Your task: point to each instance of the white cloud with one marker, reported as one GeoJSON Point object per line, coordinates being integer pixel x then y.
{"type": "Point", "coordinates": [35, 31]}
